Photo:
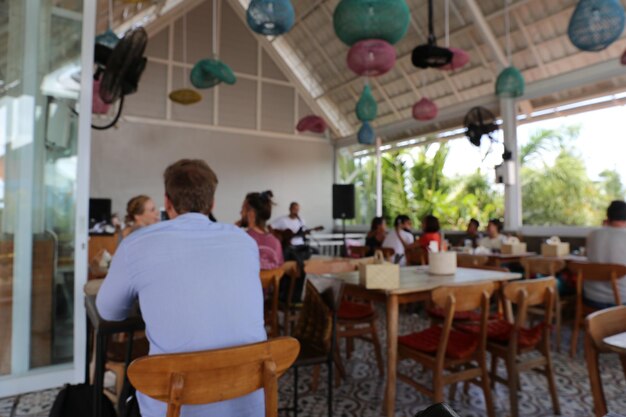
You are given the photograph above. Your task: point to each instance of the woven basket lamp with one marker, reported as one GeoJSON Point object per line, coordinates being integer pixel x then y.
{"type": "Point", "coordinates": [312, 123]}
{"type": "Point", "coordinates": [460, 58]}
{"type": "Point", "coordinates": [371, 57]}
{"type": "Point", "coordinates": [270, 17]}
{"type": "Point", "coordinates": [366, 107]}
{"type": "Point", "coordinates": [357, 20]}
{"type": "Point", "coordinates": [596, 24]}
{"type": "Point", "coordinates": [366, 135]}
{"type": "Point", "coordinates": [510, 83]}
{"type": "Point", "coordinates": [425, 110]}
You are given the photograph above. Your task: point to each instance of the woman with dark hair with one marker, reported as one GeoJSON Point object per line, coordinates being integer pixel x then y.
{"type": "Point", "coordinates": [255, 212]}
{"type": "Point", "coordinates": [431, 232]}
{"type": "Point", "coordinates": [376, 235]}
{"type": "Point", "coordinates": [494, 238]}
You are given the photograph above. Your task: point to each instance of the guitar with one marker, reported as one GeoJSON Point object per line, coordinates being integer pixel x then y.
{"type": "Point", "coordinates": [286, 235]}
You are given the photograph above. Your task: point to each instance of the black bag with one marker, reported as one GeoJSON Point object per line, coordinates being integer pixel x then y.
{"type": "Point", "coordinates": [438, 410]}
{"type": "Point", "coordinates": [77, 400]}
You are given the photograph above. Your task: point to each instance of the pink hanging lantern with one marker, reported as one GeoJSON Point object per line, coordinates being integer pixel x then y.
{"type": "Point", "coordinates": [623, 59]}
{"type": "Point", "coordinates": [459, 59]}
{"type": "Point", "coordinates": [425, 109]}
{"type": "Point", "coordinates": [312, 123]}
{"type": "Point", "coordinates": [371, 57]}
{"type": "Point", "coordinates": [97, 105]}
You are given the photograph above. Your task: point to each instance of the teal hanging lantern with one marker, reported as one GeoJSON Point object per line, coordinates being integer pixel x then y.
{"type": "Point", "coordinates": [366, 135]}
{"type": "Point", "coordinates": [510, 83]}
{"type": "Point", "coordinates": [270, 17]}
{"type": "Point", "coordinates": [208, 73]}
{"type": "Point", "coordinates": [366, 107]}
{"type": "Point", "coordinates": [596, 24]}
{"type": "Point", "coordinates": [357, 20]}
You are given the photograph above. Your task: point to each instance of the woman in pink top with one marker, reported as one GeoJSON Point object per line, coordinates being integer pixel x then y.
{"type": "Point", "coordinates": [255, 212]}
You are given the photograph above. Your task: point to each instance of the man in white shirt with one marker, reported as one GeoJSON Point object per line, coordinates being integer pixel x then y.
{"type": "Point", "coordinates": [400, 237]}
{"type": "Point", "coordinates": [608, 245]}
{"type": "Point", "coordinates": [293, 223]}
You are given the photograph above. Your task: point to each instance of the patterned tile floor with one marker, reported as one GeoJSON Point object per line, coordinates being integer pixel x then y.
{"type": "Point", "coordinates": [361, 394]}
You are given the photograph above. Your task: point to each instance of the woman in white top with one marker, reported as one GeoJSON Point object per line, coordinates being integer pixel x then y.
{"type": "Point", "coordinates": [400, 237]}
{"type": "Point", "coordinates": [494, 238]}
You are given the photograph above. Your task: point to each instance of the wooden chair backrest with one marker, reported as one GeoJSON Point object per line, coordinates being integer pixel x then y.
{"type": "Point", "coordinates": [215, 375]}
{"type": "Point", "coordinates": [548, 267]}
{"type": "Point", "coordinates": [388, 253]}
{"type": "Point", "coordinates": [490, 268]}
{"type": "Point", "coordinates": [588, 271]}
{"type": "Point", "coordinates": [605, 323]}
{"type": "Point", "coordinates": [330, 267]}
{"type": "Point", "coordinates": [416, 255]}
{"type": "Point", "coordinates": [466, 297]}
{"type": "Point", "coordinates": [358, 251]}
{"type": "Point", "coordinates": [467, 260]}
{"type": "Point", "coordinates": [271, 277]}
{"type": "Point", "coordinates": [528, 293]}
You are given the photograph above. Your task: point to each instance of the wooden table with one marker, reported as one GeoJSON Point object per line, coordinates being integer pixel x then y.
{"type": "Point", "coordinates": [496, 259]}
{"type": "Point", "coordinates": [415, 285]}
{"type": "Point", "coordinates": [617, 343]}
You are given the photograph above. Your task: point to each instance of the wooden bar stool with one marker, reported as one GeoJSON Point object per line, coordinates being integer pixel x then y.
{"type": "Point", "coordinates": [215, 375]}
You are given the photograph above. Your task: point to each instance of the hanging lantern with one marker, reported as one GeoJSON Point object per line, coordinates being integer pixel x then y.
{"type": "Point", "coordinates": [510, 83]}
{"type": "Point", "coordinates": [623, 59]}
{"type": "Point", "coordinates": [425, 109]}
{"type": "Point", "coordinates": [596, 24]}
{"type": "Point", "coordinates": [366, 135]}
{"type": "Point", "coordinates": [460, 58]}
{"type": "Point", "coordinates": [208, 73]}
{"type": "Point", "coordinates": [371, 57]}
{"type": "Point", "coordinates": [366, 107]}
{"type": "Point", "coordinates": [312, 123]}
{"type": "Point", "coordinates": [185, 96]}
{"type": "Point", "coordinates": [357, 20]}
{"type": "Point", "coordinates": [270, 17]}
{"type": "Point", "coordinates": [98, 106]}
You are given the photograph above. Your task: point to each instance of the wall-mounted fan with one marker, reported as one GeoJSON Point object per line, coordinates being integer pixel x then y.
{"type": "Point", "coordinates": [479, 122]}
{"type": "Point", "coordinates": [118, 71]}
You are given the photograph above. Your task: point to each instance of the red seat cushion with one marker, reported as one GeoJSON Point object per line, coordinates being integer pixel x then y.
{"type": "Point", "coordinates": [438, 313]}
{"type": "Point", "coordinates": [354, 311]}
{"type": "Point", "coordinates": [460, 345]}
{"type": "Point", "coordinates": [500, 331]}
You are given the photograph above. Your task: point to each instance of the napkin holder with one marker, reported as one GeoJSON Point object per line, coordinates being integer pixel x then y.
{"type": "Point", "coordinates": [442, 263]}
{"type": "Point", "coordinates": [512, 246]}
{"type": "Point", "coordinates": [380, 275]}
{"type": "Point", "coordinates": [555, 248]}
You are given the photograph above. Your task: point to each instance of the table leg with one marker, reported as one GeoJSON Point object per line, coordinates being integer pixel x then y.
{"type": "Point", "coordinates": [98, 380]}
{"type": "Point", "coordinates": [392, 355]}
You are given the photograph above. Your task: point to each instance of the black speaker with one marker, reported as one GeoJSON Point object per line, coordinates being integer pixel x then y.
{"type": "Point", "coordinates": [343, 201]}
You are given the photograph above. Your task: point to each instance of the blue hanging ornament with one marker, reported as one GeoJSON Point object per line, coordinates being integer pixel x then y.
{"type": "Point", "coordinates": [270, 17]}
{"type": "Point", "coordinates": [596, 24]}
{"type": "Point", "coordinates": [366, 107]}
{"type": "Point", "coordinates": [356, 20]}
{"type": "Point", "coordinates": [366, 135]}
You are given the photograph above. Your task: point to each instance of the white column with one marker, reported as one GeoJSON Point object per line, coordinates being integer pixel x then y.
{"type": "Point", "coordinates": [512, 192]}
{"type": "Point", "coordinates": [379, 178]}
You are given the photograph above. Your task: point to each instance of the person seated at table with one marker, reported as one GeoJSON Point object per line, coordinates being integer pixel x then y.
{"type": "Point", "coordinates": [376, 236]}
{"type": "Point", "coordinates": [198, 283]}
{"type": "Point", "coordinates": [400, 238]}
{"type": "Point", "coordinates": [494, 238]}
{"type": "Point", "coordinates": [140, 212]}
{"type": "Point", "coordinates": [608, 246]}
{"type": "Point", "coordinates": [472, 233]}
{"type": "Point", "coordinates": [255, 212]}
{"type": "Point", "coordinates": [431, 232]}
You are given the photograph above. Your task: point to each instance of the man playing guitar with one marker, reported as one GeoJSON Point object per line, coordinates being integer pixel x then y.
{"type": "Point", "coordinates": [291, 229]}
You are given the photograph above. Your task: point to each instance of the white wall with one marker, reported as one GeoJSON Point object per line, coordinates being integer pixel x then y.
{"type": "Point", "coordinates": [131, 160]}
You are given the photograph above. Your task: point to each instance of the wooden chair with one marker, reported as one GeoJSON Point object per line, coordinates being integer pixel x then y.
{"type": "Point", "coordinates": [358, 251]}
{"type": "Point", "coordinates": [215, 375]}
{"type": "Point", "coordinates": [355, 319]}
{"type": "Point", "coordinates": [467, 260]}
{"type": "Point", "coordinates": [270, 281]}
{"type": "Point", "coordinates": [416, 255]}
{"type": "Point", "coordinates": [549, 268]}
{"type": "Point", "coordinates": [289, 307]}
{"type": "Point", "coordinates": [442, 348]}
{"type": "Point", "coordinates": [599, 325]}
{"type": "Point", "coordinates": [316, 331]}
{"type": "Point", "coordinates": [509, 339]}
{"type": "Point", "coordinates": [388, 253]}
{"type": "Point", "coordinates": [587, 271]}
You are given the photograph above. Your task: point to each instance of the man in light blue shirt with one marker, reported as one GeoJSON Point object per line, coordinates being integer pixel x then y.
{"type": "Point", "coordinates": [197, 283]}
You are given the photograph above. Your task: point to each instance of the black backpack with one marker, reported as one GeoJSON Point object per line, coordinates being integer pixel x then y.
{"type": "Point", "coordinates": [77, 401]}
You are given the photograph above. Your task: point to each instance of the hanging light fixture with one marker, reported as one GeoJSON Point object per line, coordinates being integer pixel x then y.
{"type": "Point", "coordinates": [596, 24]}
{"type": "Point", "coordinates": [425, 110]}
{"type": "Point", "coordinates": [371, 57]}
{"type": "Point", "coordinates": [209, 72]}
{"type": "Point", "coordinates": [185, 96]}
{"type": "Point", "coordinates": [366, 107]}
{"type": "Point", "coordinates": [510, 82]}
{"type": "Point", "coordinates": [312, 123]}
{"type": "Point", "coordinates": [357, 20]}
{"type": "Point", "coordinates": [270, 17]}
{"type": "Point", "coordinates": [460, 58]}
{"type": "Point", "coordinates": [366, 135]}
